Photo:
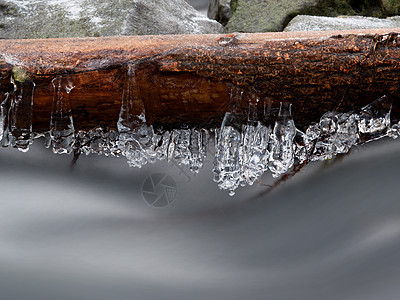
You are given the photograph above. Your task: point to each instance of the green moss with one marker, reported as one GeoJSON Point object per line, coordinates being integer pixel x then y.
{"type": "Point", "coordinates": [334, 8]}
{"type": "Point", "coordinates": [391, 7]}
{"type": "Point", "coordinates": [234, 4]}
{"type": "Point", "coordinates": [272, 15]}
{"type": "Point", "coordinates": [19, 74]}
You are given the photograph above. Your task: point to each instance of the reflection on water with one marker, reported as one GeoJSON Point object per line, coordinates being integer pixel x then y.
{"type": "Point", "coordinates": [87, 233]}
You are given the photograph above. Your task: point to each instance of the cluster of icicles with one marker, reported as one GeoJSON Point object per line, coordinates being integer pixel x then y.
{"type": "Point", "coordinates": [244, 150]}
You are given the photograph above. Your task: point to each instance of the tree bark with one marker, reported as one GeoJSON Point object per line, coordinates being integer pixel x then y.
{"type": "Point", "coordinates": [195, 79]}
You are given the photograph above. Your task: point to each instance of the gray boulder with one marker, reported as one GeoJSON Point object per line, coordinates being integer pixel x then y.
{"type": "Point", "coordinates": [313, 23]}
{"type": "Point", "coordinates": [221, 10]}
{"type": "Point", "coordinates": [273, 15]}
{"type": "Point", "coordinates": [264, 15]}
{"type": "Point", "coordinates": [78, 18]}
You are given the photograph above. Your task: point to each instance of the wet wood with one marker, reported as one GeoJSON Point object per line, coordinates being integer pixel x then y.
{"type": "Point", "coordinates": [190, 78]}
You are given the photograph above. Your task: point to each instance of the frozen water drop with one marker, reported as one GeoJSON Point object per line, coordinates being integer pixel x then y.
{"type": "Point", "coordinates": [198, 149]}
{"type": "Point", "coordinates": [327, 123]}
{"type": "Point", "coordinates": [132, 113]}
{"type": "Point", "coordinates": [300, 147]}
{"type": "Point", "coordinates": [4, 110]}
{"type": "Point", "coordinates": [136, 138]}
{"type": "Point", "coordinates": [162, 142]}
{"type": "Point", "coordinates": [182, 142]}
{"type": "Point", "coordinates": [227, 169]}
{"type": "Point", "coordinates": [282, 150]}
{"type": "Point", "coordinates": [255, 154]}
{"type": "Point", "coordinates": [21, 115]}
{"type": "Point", "coordinates": [189, 148]}
{"type": "Point", "coordinates": [62, 131]}
{"type": "Point", "coordinates": [394, 131]}
{"type": "Point", "coordinates": [346, 134]}
{"type": "Point", "coordinates": [375, 117]}
{"type": "Point", "coordinates": [138, 146]}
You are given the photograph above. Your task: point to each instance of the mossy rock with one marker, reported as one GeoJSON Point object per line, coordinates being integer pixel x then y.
{"type": "Point", "coordinates": [317, 23]}
{"type": "Point", "coordinates": [90, 18]}
{"type": "Point", "coordinates": [392, 7]}
{"type": "Point", "coordinates": [272, 15]}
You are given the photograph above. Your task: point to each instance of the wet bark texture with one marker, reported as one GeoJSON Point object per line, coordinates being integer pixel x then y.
{"type": "Point", "coordinates": [192, 79]}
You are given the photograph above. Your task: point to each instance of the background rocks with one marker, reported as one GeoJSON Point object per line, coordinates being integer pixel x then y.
{"type": "Point", "coordinates": [272, 15]}
{"type": "Point", "coordinates": [221, 10]}
{"type": "Point", "coordinates": [264, 15]}
{"type": "Point", "coordinates": [72, 18]}
{"type": "Point", "coordinates": [314, 23]}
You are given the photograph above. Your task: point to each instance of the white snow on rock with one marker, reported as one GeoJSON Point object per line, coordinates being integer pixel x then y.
{"type": "Point", "coordinates": [79, 18]}
{"type": "Point", "coordinates": [315, 23]}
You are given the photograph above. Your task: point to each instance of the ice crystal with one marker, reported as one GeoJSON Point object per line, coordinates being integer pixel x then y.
{"type": "Point", "coordinates": [21, 135]}
{"type": "Point", "coordinates": [62, 131]}
{"type": "Point", "coordinates": [282, 150]}
{"type": "Point", "coordinates": [227, 168]}
{"type": "Point", "coordinates": [375, 117]}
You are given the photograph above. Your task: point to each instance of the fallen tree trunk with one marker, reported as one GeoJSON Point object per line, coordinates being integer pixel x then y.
{"type": "Point", "coordinates": [191, 79]}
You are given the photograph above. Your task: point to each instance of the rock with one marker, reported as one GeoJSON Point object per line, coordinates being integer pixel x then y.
{"type": "Point", "coordinates": [392, 7]}
{"type": "Point", "coordinates": [264, 15]}
{"type": "Point", "coordinates": [273, 15]}
{"type": "Point", "coordinates": [76, 18]}
{"type": "Point", "coordinates": [221, 10]}
{"type": "Point", "coordinates": [313, 23]}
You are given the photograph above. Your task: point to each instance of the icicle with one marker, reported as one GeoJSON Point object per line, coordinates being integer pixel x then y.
{"type": "Point", "coordinates": [335, 133]}
{"type": "Point", "coordinates": [346, 135]}
{"type": "Point", "coordinates": [4, 120]}
{"type": "Point", "coordinates": [188, 147]}
{"type": "Point", "coordinates": [198, 149]}
{"type": "Point", "coordinates": [227, 169]}
{"type": "Point", "coordinates": [132, 113]}
{"type": "Point", "coordinates": [138, 146]}
{"type": "Point", "coordinates": [98, 141]}
{"type": "Point", "coordinates": [110, 143]}
{"type": "Point", "coordinates": [301, 148]}
{"type": "Point", "coordinates": [21, 114]}
{"type": "Point", "coordinates": [394, 131]}
{"type": "Point", "coordinates": [136, 139]}
{"type": "Point", "coordinates": [282, 150]}
{"type": "Point", "coordinates": [162, 142]}
{"type": "Point", "coordinates": [181, 149]}
{"type": "Point", "coordinates": [254, 150]}
{"type": "Point", "coordinates": [322, 137]}
{"type": "Point", "coordinates": [374, 118]}
{"type": "Point", "coordinates": [62, 131]}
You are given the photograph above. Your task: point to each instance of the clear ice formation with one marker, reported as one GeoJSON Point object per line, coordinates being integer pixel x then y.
{"type": "Point", "coordinates": [141, 145]}
{"type": "Point", "coordinates": [375, 117]}
{"type": "Point", "coordinates": [260, 148]}
{"type": "Point", "coordinates": [62, 132]}
{"type": "Point", "coordinates": [16, 116]}
{"type": "Point", "coordinates": [188, 148]}
{"type": "Point", "coordinates": [227, 166]}
{"type": "Point", "coordinates": [244, 149]}
{"type": "Point", "coordinates": [335, 133]}
{"type": "Point", "coordinates": [4, 104]}
{"type": "Point", "coordinates": [282, 150]}
{"type": "Point", "coordinates": [254, 153]}
{"type": "Point", "coordinates": [97, 141]}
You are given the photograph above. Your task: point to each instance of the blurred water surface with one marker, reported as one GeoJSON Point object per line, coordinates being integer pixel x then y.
{"type": "Point", "coordinates": [86, 232]}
